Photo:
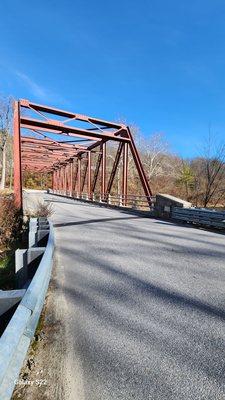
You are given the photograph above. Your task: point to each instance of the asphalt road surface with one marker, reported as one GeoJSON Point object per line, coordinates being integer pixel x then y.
{"type": "Point", "coordinates": [144, 304]}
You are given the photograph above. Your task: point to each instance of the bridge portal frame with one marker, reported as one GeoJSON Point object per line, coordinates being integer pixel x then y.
{"type": "Point", "coordinates": [42, 151]}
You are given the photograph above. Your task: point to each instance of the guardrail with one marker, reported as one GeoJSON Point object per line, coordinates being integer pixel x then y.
{"type": "Point", "coordinates": [17, 336]}
{"type": "Point", "coordinates": [199, 216]}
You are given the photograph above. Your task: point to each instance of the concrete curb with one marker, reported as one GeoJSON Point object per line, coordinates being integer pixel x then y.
{"type": "Point", "coordinates": [17, 336]}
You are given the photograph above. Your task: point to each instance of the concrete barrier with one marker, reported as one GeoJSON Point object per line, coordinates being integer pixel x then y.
{"type": "Point", "coordinates": [164, 204]}
{"type": "Point", "coordinates": [9, 298]}
{"type": "Point", "coordinates": [16, 338]}
{"type": "Point", "coordinates": [38, 229]}
{"type": "Point", "coordinates": [24, 264]}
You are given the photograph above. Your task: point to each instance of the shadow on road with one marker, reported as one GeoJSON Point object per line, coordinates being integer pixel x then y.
{"type": "Point", "coordinates": [92, 221]}
{"type": "Point", "coordinates": [127, 309]}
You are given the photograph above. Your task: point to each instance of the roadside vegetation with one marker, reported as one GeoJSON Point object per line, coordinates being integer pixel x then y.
{"type": "Point", "coordinates": [200, 180]}
{"type": "Point", "coordinates": [12, 236]}
{"type": "Point", "coordinates": [42, 209]}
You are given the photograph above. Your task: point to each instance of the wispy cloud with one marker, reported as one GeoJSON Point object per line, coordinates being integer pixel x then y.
{"type": "Point", "coordinates": [35, 89]}
{"type": "Point", "coordinates": [38, 91]}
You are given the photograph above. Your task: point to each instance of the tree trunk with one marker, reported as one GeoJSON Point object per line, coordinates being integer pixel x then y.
{"type": "Point", "coordinates": [3, 177]}
{"type": "Point", "coordinates": [11, 176]}
{"type": "Point", "coordinates": [186, 189]}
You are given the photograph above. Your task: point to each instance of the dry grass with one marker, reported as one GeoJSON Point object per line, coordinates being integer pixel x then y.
{"type": "Point", "coordinates": [42, 209]}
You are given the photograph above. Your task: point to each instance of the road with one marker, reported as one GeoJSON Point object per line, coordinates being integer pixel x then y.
{"type": "Point", "coordinates": [143, 303]}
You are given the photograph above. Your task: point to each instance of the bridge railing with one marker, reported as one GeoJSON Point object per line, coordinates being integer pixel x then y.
{"type": "Point", "coordinates": [132, 201]}
{"type": "Point", "coordinates": [138, 202]}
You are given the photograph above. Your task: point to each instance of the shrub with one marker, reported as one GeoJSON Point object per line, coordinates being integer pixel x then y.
{"type": "Point", "coordinates": [10, 222]}
{"type": "Point", "coordinates": [42, 209]}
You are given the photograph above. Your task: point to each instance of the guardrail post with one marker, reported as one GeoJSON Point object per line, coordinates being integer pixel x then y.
{"type": "Point", "coordinates": [21, 267]}
{"type": "Point", "coordinates": [32, 232]}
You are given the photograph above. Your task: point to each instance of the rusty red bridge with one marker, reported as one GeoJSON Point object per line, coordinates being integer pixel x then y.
{"type": "Point", "coordinates": [73, 149]}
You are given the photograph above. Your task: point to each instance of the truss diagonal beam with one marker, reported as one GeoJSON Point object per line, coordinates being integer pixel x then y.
{"type": "Point", "coordinates": [114, 168]}
{"type": "Point", "coordinates": [97, 167]}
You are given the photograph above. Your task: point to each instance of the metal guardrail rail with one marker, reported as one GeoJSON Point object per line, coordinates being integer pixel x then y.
{"type": "Point", "coordinates": [199, 216]}
{"type": "Point", "coordinates": [17, 336]}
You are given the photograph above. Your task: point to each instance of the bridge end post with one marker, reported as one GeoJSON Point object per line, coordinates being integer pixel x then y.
{"type": "Point", "coordinates": [17, 158]}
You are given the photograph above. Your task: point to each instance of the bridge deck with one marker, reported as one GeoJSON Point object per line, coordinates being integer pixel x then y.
{"type": "Point", "coordinates": [144, 305]}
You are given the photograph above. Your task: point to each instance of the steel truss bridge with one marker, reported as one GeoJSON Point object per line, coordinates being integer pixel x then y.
{"type": "Point", "coordinates": [73, 149]}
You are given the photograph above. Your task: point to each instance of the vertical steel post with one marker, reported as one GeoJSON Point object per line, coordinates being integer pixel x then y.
{"type": "Point", "coordinates": [68, 179]}
{"type": "Point", "coordinates": [67, 170]}
{"type": "Point", "coordinates": [79, 177]}
{"type": "Point", "coordinates": [125, 173]}
{"type": "Point", "coordinates": [55, 185]}
{"type": "Point", "coordinates": [64, 179]}
{"type": "Point", "coordinates": [57, 177]}
{"type": "Point", "coordinates": [61, 179]}
{"type": "Point", "coordinates": [17, 158]}
{"type": "Point", "coordinates": [53, 179]}
{"type": "Point", "coordinates": [84, 175]}
{"type": "Point", "coordinates": [89, 177]}
{"type": "Point", "coordinates": [71, 178]}
{"type": "Point", "coordinates": [75, 177]}
{"type": "Point", "coordinates": [103, 175]}
{"type": "Point", "coordinates": [58, 183]}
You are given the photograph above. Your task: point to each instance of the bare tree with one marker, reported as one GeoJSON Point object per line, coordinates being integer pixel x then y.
{"type": "Point", "coordinates": [5, 125]}
{"type": "Point", "coordinates": [156, 157]}
{"type": "Point", "coordinates": [213, 169]}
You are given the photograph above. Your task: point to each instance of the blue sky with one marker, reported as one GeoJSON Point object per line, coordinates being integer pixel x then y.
{"type": "Point", "coordinates": [157, 64]}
